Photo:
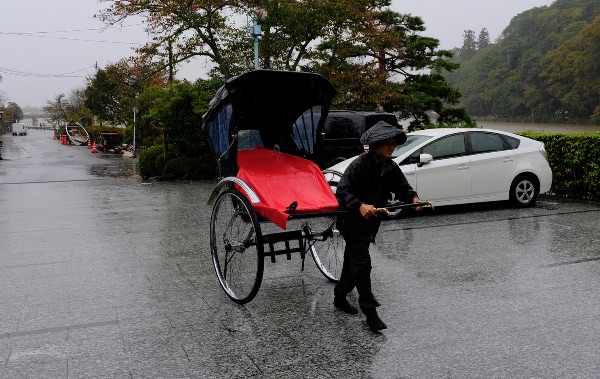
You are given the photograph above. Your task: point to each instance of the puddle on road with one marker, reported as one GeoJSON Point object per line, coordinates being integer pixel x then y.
{"type": "Point", "coordinates": [117, 168]}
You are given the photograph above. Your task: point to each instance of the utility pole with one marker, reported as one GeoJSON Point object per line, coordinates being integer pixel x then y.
{"type": "Point", "coordinates": [135, 111]}
{"type": "Point", "coordinates": [255, 31]}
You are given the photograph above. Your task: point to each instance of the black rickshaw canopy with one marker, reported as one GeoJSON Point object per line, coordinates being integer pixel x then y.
{"type": "Point", "coordinates": [272, 109]}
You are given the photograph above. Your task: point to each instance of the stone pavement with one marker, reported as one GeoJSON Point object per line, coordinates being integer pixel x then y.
{"type": "Point", "coordinates": [104, 276]}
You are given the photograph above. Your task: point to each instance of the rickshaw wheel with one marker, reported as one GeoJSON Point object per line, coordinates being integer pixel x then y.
{"type": "Point", "coordinates": [236, 246]}
{"type": "Point", "coordinates": [327, 246]}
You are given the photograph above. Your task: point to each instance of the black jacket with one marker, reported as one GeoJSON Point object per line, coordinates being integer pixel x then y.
{"type": "Point", "coordinates": [370, 181]}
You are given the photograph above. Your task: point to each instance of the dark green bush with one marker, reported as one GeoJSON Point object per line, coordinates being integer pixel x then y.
{"type": "Point", "coordinates": [575, 162]}
{"type": "Point", "coordinates": [176, 168]}
{"type": "Point", "coordinates": [197, 168]}
{"type": "Point", "coordinates": [203, 167]}
{"type": "Point", "coordinates": [147, 162]}
{"type": "Point", "coordinates": [152, 164]}
{"type": "Point", "coordinates": [159, 164]}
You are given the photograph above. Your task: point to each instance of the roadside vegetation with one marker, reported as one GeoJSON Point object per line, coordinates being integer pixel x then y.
{"type": "Point", "coordinates": [375, 57]}
{"type": "Point", "coordinates": [543, 68]}
{"type": "Point", "coordinates": [575, 162]}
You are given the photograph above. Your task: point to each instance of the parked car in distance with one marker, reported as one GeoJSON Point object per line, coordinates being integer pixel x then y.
{"type": "Point", "coordinates": [342, 131]}
{"type": "Point", "coordinates": [464, 165]}
{"type": "Point", "coordinates": [19, 129]}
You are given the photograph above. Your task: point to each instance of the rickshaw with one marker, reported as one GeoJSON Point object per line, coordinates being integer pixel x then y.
{"type": "Point", "coordinates": [264, 128]}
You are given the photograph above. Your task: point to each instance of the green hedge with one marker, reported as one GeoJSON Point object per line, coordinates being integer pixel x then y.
{"type": "Point", "coordinates": [574, 159]}
{"type": "Point", "coordinates": [147, 166]}
{"type": "Point", "coordinates": [151, 164]}
{"type": "Point", "coordinates": [575, 162]}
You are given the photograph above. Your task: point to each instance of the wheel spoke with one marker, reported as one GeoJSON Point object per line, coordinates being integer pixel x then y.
{"type": "Point", "coordinates": [326, 245]}
{"type": "Point", "coordinates": [237, 255]}
{"type": "Point", "coordinates": [523, 191]}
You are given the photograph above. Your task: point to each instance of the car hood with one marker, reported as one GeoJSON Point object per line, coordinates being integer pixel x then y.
{"type": "Point", "coordinates": [343, 165]}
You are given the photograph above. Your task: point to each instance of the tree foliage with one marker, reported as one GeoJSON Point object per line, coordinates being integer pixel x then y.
{"type": "Point", "coordinates": [469, 47]}
{"type": "Point", "coordinates": [178, 108]}
{"type": "Point", "coordinates": [483, 40]}
{"type": "Point", "coordinates": [112, 92]}
{"type": "Point", "coordinates": [57, 108]}
{"type": "Point", "coordinates": [183, 29]}
{"type": "Point", "coordinates": [543, 67]}
{"type": "Point", "coordinates": [13, 108]}
{"type": "Point", "coordinates": [366, 50]}
{"type": "Point", "coordinates": [571, 72]}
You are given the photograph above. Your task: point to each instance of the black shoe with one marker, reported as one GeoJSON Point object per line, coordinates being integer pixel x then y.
{"type": "Point", "coordinates": [373, 321]}
{"type": "Point", "coordinates": [344, 306]}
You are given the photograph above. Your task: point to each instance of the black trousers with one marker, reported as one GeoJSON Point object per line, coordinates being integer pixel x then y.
{"type": "Point", "coordinates": [356, 272]}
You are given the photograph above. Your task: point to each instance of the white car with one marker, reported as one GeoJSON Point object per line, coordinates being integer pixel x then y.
{"type": "Point", "coordinates": [468, 165]}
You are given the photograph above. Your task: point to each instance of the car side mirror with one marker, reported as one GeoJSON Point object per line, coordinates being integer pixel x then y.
{"type": "Point", "coordinates": [424, 159]}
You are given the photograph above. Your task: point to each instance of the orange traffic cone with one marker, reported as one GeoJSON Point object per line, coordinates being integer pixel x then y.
{"type": "Point", "coordinates": [89, 143]}
{"type": "Point", "coordinates": [94, 147]}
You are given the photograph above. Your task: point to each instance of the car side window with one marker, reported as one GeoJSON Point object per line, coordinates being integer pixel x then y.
{"type": "Point", "coordinates": [447, 147]}
{"type": "Point", "coordinates": [512, 142]}
{"type": "Point", "coordinates": [340, 127]}
{"type": "Point", "coordinates": [482, 142]}
{"type": "Point", "coordinates": [413, 158]}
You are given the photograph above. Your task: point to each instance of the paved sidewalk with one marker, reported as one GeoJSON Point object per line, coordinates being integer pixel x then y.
{"type": "Point", "coordinates": [104, 276]}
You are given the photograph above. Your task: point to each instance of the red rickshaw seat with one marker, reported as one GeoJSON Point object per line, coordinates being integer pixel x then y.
{"type": "Point", "coordinates": [280, 179]}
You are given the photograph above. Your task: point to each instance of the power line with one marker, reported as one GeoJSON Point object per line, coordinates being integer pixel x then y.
{"type": "Point", "coordinates": [9, 71]}
{"type": "Point", "coordinates": [46, 34]}
{"type": "Point", "coordinates": [69, 39]}
{"type": "Point", "coordinates": [41, 34]}
{"type": "Point", "coordinates": [78, 30]}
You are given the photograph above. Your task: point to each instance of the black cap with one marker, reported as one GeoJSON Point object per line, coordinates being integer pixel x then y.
{"type": "Point", "coordinates": [382, 131]}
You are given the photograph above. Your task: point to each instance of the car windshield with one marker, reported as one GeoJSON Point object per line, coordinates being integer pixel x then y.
{"type": "Point", "coordinates": [411, 141]}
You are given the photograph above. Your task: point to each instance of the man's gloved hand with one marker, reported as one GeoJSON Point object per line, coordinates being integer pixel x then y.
{"type": "Point", "coordinates": [367, 210]}
{"type": "Point", "coordinates": [417, 200]}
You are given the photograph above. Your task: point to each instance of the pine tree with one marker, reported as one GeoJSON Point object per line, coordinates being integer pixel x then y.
{"type": "Point", "coordinates": [484, 39]}
{"type": "Point", "coordinates": [469, 46]}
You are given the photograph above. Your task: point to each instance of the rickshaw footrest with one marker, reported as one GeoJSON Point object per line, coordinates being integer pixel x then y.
{"type": "Point", "coordinates": [285, 237]}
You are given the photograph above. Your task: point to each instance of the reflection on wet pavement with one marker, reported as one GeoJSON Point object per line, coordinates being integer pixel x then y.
{"type": "Point", "coordinates": [102, 275]}
{"type": "Point", "coordinates": [125, 168]}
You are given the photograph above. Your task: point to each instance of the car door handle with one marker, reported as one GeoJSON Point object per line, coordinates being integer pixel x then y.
{"type": "Point", "coordinates": [463, 167]}
{"type": "Point", "coordinates": [409, 173]}
{"type": "Point", "coordinates": [507, 160]}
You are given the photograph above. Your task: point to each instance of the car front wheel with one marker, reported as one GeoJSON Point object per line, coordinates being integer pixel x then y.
{"type": "Point", "coordinates": [523, 191]}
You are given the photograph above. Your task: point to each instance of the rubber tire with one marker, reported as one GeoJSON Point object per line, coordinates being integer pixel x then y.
{"type": "Point", "coordinates": [329, 254]}
{"type": "Point", "coordinates": [524, 191]}
{"type": "Point", "coordinates": [234, 219]}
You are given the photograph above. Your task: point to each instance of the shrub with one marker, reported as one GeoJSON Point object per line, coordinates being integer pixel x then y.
{"type": "Point", "coordinates": [159, 164]}
{"type": "Point", "coordinates": [175, 168]}
{"type": "Point", "coordinates": [203, 167]}
{"type": "Point", "coordinates": [147, 162]}
{"type": "Point", "coordinates": [575, 162]}
{"type": "Point", "coordinates": [197, 168]}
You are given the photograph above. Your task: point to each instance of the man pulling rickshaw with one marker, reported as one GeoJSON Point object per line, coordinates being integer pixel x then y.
{"type": "Point", "coordinates": [265, 129]}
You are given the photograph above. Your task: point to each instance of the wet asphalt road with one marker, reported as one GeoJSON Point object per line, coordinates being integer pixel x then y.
{"type": "Point", "coordinates": [104, 276]}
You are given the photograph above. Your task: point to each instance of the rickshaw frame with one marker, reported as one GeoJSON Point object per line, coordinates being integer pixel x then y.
{"type": "Point", "coordinates": [283, 111]}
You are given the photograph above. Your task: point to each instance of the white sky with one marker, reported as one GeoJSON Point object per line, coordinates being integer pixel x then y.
{"type": "Point", "coordinates": [49, 47]}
